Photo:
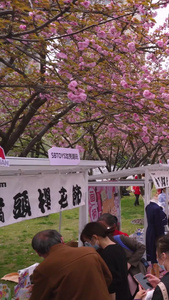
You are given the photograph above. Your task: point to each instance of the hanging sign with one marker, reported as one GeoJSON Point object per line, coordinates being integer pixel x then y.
{"type": "Point", "coordinates": [3, 161]}
{"type": "Point", "coordinates": [103, 199]}
{"type": "Point", "coordinates": [63, 156]}
{"type": "Point", "coordinates": [26, 197]}
{"type": "Point", "coordinates": [160, 179]}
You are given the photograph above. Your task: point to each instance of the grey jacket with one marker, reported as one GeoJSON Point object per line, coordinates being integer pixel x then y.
{"type": "Point", "coordinates": [134, 255]}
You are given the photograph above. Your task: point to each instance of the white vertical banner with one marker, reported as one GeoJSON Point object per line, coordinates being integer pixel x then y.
{"type": "Point", "coordinates": [27, 197]}
{"type": "Point", "coordinates": [160, 179]}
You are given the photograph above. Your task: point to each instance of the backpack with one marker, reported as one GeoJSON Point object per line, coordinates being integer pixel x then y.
{"type": "Point", "coordinates": [119, 241]}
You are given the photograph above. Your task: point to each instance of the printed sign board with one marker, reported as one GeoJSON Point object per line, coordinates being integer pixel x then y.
{"type": "Point", "coordinates": [103, 199]}
{"type": "Point", "coordinates": [63, 156]}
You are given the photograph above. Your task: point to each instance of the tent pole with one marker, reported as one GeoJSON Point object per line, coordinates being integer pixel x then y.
{"type": "Point", "coordinates": [60, 221]}
{"type": "Point", "coordinates": [166, 203]}
{"type": "Point", "coordinates": [83, 210]}
{"type": "Point", "coordinates": [147, 197]}
{"type": "Point", "coordinates": [166, 208]}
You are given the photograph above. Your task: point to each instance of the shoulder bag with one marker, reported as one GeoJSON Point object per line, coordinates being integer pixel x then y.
{"type": "Point", "coordinates": [163, 289]}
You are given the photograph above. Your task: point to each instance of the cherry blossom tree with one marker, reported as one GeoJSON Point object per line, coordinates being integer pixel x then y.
{"type": "Point", "coordinates": [85, 74]}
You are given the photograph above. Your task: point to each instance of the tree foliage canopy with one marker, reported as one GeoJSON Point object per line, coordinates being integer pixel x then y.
{"type": "Point", "coordinates": [84, 73]}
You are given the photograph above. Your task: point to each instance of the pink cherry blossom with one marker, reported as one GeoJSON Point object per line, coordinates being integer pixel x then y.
{"type": "Point", "coordinates": [90, 88]}
{"type": "Point", "coordinates": [147, 94]}
{"type": "Point", "coordinates": [31, 13]}
{"type": "Point", "coordinates": [68, 130]}
{"type": "Point", "coordinates": [160, 43]}
{"type": "Point", "coordinates": [165, 96]}
{"type": "Point", "coordinates": [69, 31]}
{"type": "Point", "coordinates": [81, 59]}
{"type": "Point", "coordinates": [91, 65]}
{"type": "Point", "coordinates": [111, 130]}
{"type": "Point", "coordinates": [99, 48]}
{"type": "Point", "coordinates": [77, 98]}
{"type": "Point", "coordinates": [155, 139]}
{"type": "Point", "coordinates": [60, 124]}
{"type": "Point", "coordinates": [146, 139]}
{"type": "Point", "coordinates": [71, 96]}
{"type": "Point", "coordinates": [136, 117]}
{"type": "Point", "coordinates": [102, 34]}
{"type": "Point", "coordinates": [82, 97]}
{"type": "Point", "coordinates": [105, 52]}
{"type": "Point", "coordinates": [141, 9]}
{"type": "Point", "coordinates": [67, 1]}
{"type": "Point", "coordinates": [124, 84]}
{"type": "Point", "coordinates": [162, 89]}
{"type": "Point", "coordinates": [144, 128]}
{"type": "Point", "coordinates": [83, 45]}
{"type": "Point", "coordinates": [131, 46]}
{"type": "Point", "coordinates": [77, 109]}
{"type": "Point", "coordinates": [22, 27]}
{"type": "Point", "coordinates": [99, 101]}
{"type": "Point", "coordinates": [72, 85]}
{"type": "Point", "coordinates": [113, 85]}
{"type": "Point", "coordinates": [61, 55]}
{"type": "Point", "coordinates": [112, 30]}
{"type": "Point", "coordinates": [86, 4]}
{"type": "Point", "coordinates": [110, 125]}
{"type": "Point", "coordinates": [80, 148]}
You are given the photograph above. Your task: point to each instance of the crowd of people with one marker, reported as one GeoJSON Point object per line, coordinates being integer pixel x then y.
{"type": "Point", "coordinates": [102, 268]}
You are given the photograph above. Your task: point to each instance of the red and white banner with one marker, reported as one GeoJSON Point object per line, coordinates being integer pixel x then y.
{"type": "Point", "coordinates": [3, 161]}
{"type": "Point", "coordinates": [28, 197]}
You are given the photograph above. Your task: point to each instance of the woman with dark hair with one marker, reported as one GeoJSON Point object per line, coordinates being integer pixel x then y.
{"type": "Point", "coordinates": [111, 221]}
{"type": "Point", "coordinates": [161, 291]}
{"type": "Point", "coordinates": [95, 235]}
{"type": "Point", "coordinates": [162, 250]}
{"type": "Point", "coordinates": [134, 250]}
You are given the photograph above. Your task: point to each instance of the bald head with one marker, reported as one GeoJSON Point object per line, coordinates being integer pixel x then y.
{"type": "Point", "coordinates": [44, 240]}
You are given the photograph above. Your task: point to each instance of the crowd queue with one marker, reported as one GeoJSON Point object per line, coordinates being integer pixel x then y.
{"type": "Point", "coordinates": [103, 268]}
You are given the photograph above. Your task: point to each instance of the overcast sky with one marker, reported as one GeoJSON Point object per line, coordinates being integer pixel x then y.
{"type": "Point", "coordinates": [162, 15]}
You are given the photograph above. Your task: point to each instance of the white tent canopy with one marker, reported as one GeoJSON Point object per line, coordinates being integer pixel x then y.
{"type": "Point", "coordinates": [117, 178]}
{"type": "Point", "coordinates": [33, 166]}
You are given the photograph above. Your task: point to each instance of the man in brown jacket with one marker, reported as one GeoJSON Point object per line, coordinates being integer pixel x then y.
{"type": "Point", "coordinates": [68, 273]}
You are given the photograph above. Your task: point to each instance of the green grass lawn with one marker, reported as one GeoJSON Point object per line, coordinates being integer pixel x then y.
{"type": "Point", "coordinates": [15, 243]}
{"type": "Point", "coordinates": [130, 212]}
